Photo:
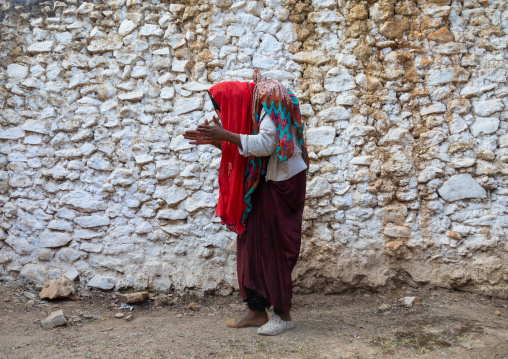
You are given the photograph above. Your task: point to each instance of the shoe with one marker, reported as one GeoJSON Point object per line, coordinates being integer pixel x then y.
{"type": "Point", "coordinates": [276, 326]}
{"type": "Point", "coordinates": [257, 322]}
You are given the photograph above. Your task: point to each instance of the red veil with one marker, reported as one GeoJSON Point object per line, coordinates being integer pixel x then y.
{"type": "Point", "coordinates": [235, 101]}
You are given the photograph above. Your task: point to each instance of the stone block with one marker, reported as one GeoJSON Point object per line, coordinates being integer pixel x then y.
{"type": "Point", "coordinates": [61, 287]}
{"type": "Point", "coordinates": [55, 319]}
{"type": "Point", "coordinates": [132, 298]}
{"type": "Point", "coordinates": [461, 187]}
{"type": "Point", "coordinates": [102, 282]}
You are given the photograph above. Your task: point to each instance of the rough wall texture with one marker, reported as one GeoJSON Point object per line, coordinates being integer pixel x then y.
{"type": "Point", "coordinates": [405, 103]}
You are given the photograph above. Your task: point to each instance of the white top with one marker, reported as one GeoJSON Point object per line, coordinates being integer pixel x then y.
{"type": "Point", "coordinates": [264, 143]}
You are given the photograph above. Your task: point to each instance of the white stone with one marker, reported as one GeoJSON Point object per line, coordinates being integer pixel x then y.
{"type": "Point", "coordinates": [12, 133]}
{"type": "Point", "coordinates": [306, 110]}
{"type": "Point", "coordinates": [464, 162]}
{"type": "Point", "coordinates": [122, 177]}
{"type": "Point", "coordinates": [86, 234]}
{"type": "Point", "coordinates": [101, 282]}
{"type": "Point", "coordinates": [200, 200]}
{"type": "Point", "coordinates": [270, 44]}
{"type": "Point", "coordinates": [151, 30]}
{"type": "Point", "coordinates": [87, 110]}
{"type": "Point", "coordinates": [316, 58]}
{"type": "Point", "coordinates": [172, 195]}
{"type": "Point", "coordinates": [85, 8]}
{"type": "Point", "coordinates": [196, 86]}
{"type": "Point", "coordinates": [186, 105]}
{"type": "Point", "coordinates": [164, 51]}
{"type": "Point", "coordinates": [279, 75]}
{"type": "Point", "coordinates": [143, 228]}
{"type": "Point", "coordinates": [503, 141]}
{"type": "Point", "coordinates": [217, 40]}
{"type": "Point", "coordinates": [60, 225]}
{"type": "Point", "coordinates": [440, 76]}
{"type": "Point", "coordinates": [335, 114]}
{"type": "Point", "coordinates": [181, 65]}
{"type": "Point", "coordinates": [54, 239]}
{"type": "Point", "coordinates": [173, 214]}
{"type": "Point", "coordinates": [143, 159]}
{"type": "Point", "coordinates": [126, 27]}
{"type": "Point", "coordinates": [287, 33]}
{"type": "Point", "coordinates": [108, 105]}
{"type": "Point", "coordinates": [77, 80]}
{"type": "Point", "coordinates": [325, 17]}
{"type": "Point", "coordinates": [48, 112]}
{"type": "Point", "coordinates": [17, 72]}
{"type": "Point", "coordinates": [460, 187]}
{"type": "Point", "coordinates": [133, 96]}
{"type": "Point", "coordinates": [167, 93]}
{"type": "Point", "coordinates": [235, 31]}
{"type": "Point", "coordinates": [320, 136]}
{"type": "Point", "coordinates": [41, 47]}
{"type": "Point", "coordinates": [83, 201]}
{"type": "Point", "coordinates": [92, 221]}
{"type": "Point", "coordinates": [362, 160]}
{"type": "Point", "coordinates": [318, 187]}
{"type": "Point", "coordinates": [397, 136]}
{"type": "Point", "coordinates": [104, 45]}
{"type": "Point", "coordinates": [139, 72]}
{"type": "Point", "coordinates": [485, 125]}
{"type": "Point", "coordinates": [436, 108]}
{"type": "Point", "coordinates": [429, 173]}
{"type": "Point", "coordinates": [167, 169]}
{"type": "Point", "coordinates": [324, 3]}
{"type": "Point", "coordinates": [457, 125]}
{"type": "Point", "coordinates": [338, 79]}
{"type": "Point", "coordinates": [98, 162]}
{"type": "Point", "coordinates": [488, 107]}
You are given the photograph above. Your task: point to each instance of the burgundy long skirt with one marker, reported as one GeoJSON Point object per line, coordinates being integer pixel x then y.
{"type": "Point", "coordinates": [268, 252]}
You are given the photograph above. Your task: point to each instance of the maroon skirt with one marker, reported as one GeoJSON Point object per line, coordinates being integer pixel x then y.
{"type": "Point", "coordinates": [268, 252]}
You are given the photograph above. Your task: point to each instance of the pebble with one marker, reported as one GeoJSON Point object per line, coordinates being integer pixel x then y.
{"type": "Point", "coordinates": [194, 306]}
{"type": "Point", "coordinates": [383, 307]}
{"type": "Point", "coordinates": [129, 317]}
{"type": "Point", "coordinates": [119, 315]}
{"type": "Point", "coordinates": [55, 319]}
{"type": "Point", "coordinates": [178, 315]}
{"type": "Point", "coordinates": [498, 312]}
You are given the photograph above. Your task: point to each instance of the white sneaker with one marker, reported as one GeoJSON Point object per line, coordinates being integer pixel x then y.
{"type": "Point", "coordinates": [275, 326]}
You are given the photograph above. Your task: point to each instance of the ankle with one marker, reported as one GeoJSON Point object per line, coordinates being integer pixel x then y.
{"type": "Point", "coordinates": [286, 317]}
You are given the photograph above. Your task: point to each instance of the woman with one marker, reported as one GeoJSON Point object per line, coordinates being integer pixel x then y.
{"type": "Point", "coordinates": [262, 180]}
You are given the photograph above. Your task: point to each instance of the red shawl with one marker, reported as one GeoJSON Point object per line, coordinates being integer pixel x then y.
{"type": "Point", "coordinates": [235, 101]}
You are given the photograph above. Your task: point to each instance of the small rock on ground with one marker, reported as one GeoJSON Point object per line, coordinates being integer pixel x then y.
{"type": "Point", "coordinates": [61, 287]}
{"type": "Point", "coordinates": [55, 319]}
{"type": "Point", "coordinates": [138, 297]}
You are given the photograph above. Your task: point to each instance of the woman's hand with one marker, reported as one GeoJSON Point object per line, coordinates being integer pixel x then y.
{"type": "Point", "coordinates": [196, 139]}
{"type": "Point", "coordinates": [212, 133]}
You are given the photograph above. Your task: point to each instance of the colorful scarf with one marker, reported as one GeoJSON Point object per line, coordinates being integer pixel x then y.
{"type": "Point", "coordinates": [283, 108]}
{"type": "Point", "coordinates": [238, 175]}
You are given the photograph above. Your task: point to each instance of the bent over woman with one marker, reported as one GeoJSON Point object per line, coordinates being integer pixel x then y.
{"type": "Point", "coordinates": [262, 180]}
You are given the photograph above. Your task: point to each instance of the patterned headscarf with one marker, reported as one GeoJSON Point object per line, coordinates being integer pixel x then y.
{"type": "Point", "coordinates": [283, 108]}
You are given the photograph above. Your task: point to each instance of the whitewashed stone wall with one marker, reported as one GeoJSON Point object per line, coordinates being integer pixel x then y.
{"type": "Point", "coordinates": [405, 103]}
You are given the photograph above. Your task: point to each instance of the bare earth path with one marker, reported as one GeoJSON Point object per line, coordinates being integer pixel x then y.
{"type": "Point", "coordinates": [444, 325]}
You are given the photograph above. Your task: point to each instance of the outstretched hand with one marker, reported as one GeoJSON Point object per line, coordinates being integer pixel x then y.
{"type": "Point", "coordinates": [197, 138]}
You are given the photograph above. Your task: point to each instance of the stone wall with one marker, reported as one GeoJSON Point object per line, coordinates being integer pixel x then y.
{"type": "Point", "coordinates": [405, 104]}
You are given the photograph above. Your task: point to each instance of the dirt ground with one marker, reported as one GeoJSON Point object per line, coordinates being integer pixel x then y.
{"type": "Point", "coordinates": [445, 324]}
